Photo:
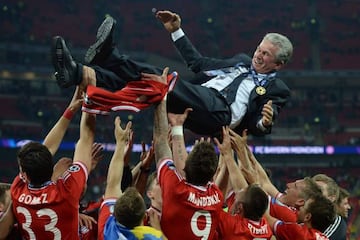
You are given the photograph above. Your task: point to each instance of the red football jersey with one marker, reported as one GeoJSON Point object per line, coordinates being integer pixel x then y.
{"type": "Point", "coordinates": [106, 209]}
{"type": "Point", "coordinates": [51, 211]}
{"type": "Point", "coordinates": [92, 209]}
{"type": "Point", "coordinates": [135, 96]}
{"type": "Point", "coordinates": [188, 211]}
{"type": "Point", "coordinates": [282, 212]}
{"type": "Point", "coordinates": [295, 231]}
{"type": "Point", "coordinates": [230, 200]}
{"type": "Point", "coordinates": [237, 227]}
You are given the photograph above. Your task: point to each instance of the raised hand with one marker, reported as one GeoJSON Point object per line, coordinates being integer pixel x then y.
{"type": "Point", "coordinates": [158, 78]}
{"type": "Point", "coordinates": [96, 154]}
{"type": "Point", "coordinates": [267, 113]}
{"type": "Point", "coordinates": [170, 20]}
{"type": "Point", "coordinates": [178, 119]}
{"type": "Point", "coordinates": [128, 148]}
{"type": "Point", "coordinates": [202, 139]}
{"type": "Point", "coordinates": [237, 141]}
{"type": "Point", "coordinates": [147, 157]}
{"type": "Point", "coordinates": [76, 100]}
{"type": "Point", "coordinates": [121, 135]}
{"type": "Point", "coordinates": [225, 146]}
{"type": "Point", "coordinates": [86, 221]}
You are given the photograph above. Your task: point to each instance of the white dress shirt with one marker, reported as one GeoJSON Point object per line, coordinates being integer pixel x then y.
{"type": "Point", "coordinates": [219, 82]}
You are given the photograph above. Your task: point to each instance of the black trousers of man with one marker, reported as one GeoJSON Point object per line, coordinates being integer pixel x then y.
{"type": "Point", "coordinates": [210, 110]}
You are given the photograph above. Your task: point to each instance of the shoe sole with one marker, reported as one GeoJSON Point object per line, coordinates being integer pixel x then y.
{"type": "Point", "coordinates": [102, 34]}
{"type": "Point", "coordinates": [57, 52]}
{"type": "Point", "coordinates": [57, 56]}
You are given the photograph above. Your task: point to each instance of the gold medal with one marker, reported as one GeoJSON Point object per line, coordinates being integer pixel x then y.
{"type": "Point", "coordinates": [260, 90]}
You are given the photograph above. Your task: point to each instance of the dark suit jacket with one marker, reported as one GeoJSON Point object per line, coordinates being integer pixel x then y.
{"type": "Point", "coordinates": [276, 89]}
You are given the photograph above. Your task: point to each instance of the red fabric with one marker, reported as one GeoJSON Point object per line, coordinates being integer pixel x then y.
{"type": "Point", "coordinates": [188, 211]}
{"type": "Point", "coordinates": [68, 114]}
{"type": "Point", "coordinates": [230, 200]}
{"type": "Point", "coordinates": [237, 227]}
{"type": "Point", "coordinates": [282, 212]}
{"type": "Point", "coordinates": [52, 211]}
{"type": "Point", "coordinates": [295, 231]}
{"type": "Point", "coordinates": [135, 96]}
{"type": "Point", "coordinates": [106, 209]}
{"type": "Point", "coordinates": [92, 209]}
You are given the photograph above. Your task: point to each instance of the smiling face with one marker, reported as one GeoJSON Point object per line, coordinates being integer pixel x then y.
{"type": "Point", "coordinates": [292, 196]}
{"type": "Point", "coordinates": [344, 207]}
{"type": "Point", "coordinates": [154, 194]}
{"type": "Point", "coordinates": [264, 58]}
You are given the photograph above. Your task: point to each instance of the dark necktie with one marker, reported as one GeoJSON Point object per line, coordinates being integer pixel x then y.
{"type": "Point", "coordinates": [229, 92]}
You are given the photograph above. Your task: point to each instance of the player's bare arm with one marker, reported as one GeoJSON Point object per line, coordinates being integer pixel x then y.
{"type": "Point", "coordinates": [115, 170]}
{"type": "Point", "coordinates": [161, 144]}
{"type": "Point", "coordinates": [177, 135]}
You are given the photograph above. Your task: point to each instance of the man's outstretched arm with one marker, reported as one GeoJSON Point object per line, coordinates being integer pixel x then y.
{"type": "Point", "coordinates": [115, 171]}
{"type": "Point", "coordinates": [161, 143]}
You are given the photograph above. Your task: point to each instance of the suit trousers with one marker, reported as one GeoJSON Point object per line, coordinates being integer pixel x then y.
{"type": "Point", "coordinates": [210, 110]}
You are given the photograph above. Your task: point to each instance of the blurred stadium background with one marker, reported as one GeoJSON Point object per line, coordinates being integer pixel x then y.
{"type": "Point", "coordinates": [318, 131]}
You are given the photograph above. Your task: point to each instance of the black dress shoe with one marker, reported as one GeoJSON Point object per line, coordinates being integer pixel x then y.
{"type": "Point", "coordinates": [103, 44]}
{"type": "Point", "coordinates": [66, 69]}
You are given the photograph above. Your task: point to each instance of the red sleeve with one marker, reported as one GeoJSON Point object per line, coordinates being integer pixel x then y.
{"type": "Point", "coordinates": [74, 179]}
{"type": "Point", "coordinates": [167, 174]}
{"type": "Point", "coordinates": [106, 209]}
{"type": "Point", "coordinates": [230, 199]}
{"type": "Point", "coordinates": [290, 231]}
{"type": "Point", "coordinates": [226, 225]}
{"type": "Point", "coordinates": [282, 212]}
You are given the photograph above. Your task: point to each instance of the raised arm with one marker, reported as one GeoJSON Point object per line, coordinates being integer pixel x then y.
{"type": "Point", "coordinates": [147, 159]}
{"type": "Point", "coordinates": [264, 180]}
{"type": "Point", "coordinates": [237, 180]}
{"type": "Point", "coordinates": [160, 132]}
{"type": "Point", "coordinates": [178, 142]}
{"type": "Point", "coordinates": [193, 58]}
{"type": "Point", "coordinates": [53, 139]}
{"type": "Point", "coordinates": [64, 163]}
{"type": "Point", "coordinates": [239, 144]}
{"type": "Point", "coordinates": [127, 177]}
{"type": "Point", "coordinates": [270, 219]}
{"type": "Point", "coordinates": [250, 167]}
{"type": "Point", "coordinates": [115, 170]}
{"type": "Point", "coordinates": [135, 171]}
{"type": "Point", "coordinates": [128, 148]}
{"type": "Point", "coordinates": [170, 20]}
{"type": "Point", "coordinates": [221, 177]}
{"type": "Point", "coordinates": [83, 147]}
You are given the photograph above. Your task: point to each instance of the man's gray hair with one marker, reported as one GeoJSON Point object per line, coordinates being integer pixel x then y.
{"type": "Point", "coordinates": [285, 51]}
